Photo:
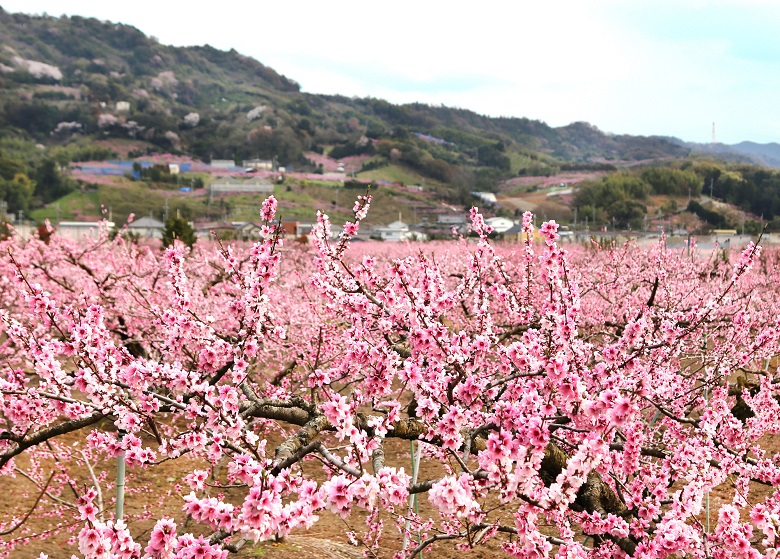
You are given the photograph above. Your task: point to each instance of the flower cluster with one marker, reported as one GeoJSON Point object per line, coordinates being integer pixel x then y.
{"type": "Point", "coordinates": [529, 393]}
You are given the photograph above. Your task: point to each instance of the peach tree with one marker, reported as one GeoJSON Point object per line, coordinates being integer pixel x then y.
{"type": "Point", "coordinates": [589, 402]}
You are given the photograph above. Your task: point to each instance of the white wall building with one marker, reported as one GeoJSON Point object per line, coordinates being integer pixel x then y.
{"type": "Point", "coordinates": [500, 224]}
{"type": "Point", "coordinates": [147, 228]}
{"type": "Point", "coordinates": [79, 229]}
{"type": "Point", "coordinates": [486, 197]}
{"type": "Point", "coordinates": [397, 231]}
{"type": "Point", "coordinates": [234, 184]}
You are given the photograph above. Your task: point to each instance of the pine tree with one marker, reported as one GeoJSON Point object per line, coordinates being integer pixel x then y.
{"type": "Point", "coordinates": [178, 228]}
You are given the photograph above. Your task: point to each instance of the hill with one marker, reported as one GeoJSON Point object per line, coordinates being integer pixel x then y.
{"type": "Point", "coordinates": [68, 76]}
{"type": "Point", "coordinates": [76, 89]}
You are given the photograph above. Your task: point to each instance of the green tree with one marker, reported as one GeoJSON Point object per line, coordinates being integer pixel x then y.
{"type": "Point", "coordinates": [492, 155]}
{"type": "Point", "coordinates": [627, 213]}
{"type": "Point", "coordinates": [178, 228]}
{"type": "Point", "coordinates": [675, 182]}
{"type": "Point", "coordinates": [631, 184]}
{"type": "Point", "coordinates": [17, 192]}
{"type": "Point", "coordinates": [50, 184]}
{"type": "Point", "coordinates": [10, 167]}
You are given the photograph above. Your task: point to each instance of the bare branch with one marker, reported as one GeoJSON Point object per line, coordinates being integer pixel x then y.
{"type": "Point", "coordinates": [45, 434]}
{"type": "Point", "coordinates": [336, 461]}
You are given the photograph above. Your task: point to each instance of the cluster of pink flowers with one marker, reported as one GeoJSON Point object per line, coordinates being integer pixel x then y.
{"type": "Point", "coordinates": [100, 540]}
{"type": "Point", "coordinates": [548, 393]}
{"type": "Point", "coordinates": [454, 496]}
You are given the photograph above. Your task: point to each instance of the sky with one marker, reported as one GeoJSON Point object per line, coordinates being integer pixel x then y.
{"type": "Point", "coordinates": [640, 67]}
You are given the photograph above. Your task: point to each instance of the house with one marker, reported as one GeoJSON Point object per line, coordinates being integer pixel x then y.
{"type": "Point", "coordinates": [223, 163]}
{"type": "Point", "coordinates": [222, 230]}
{"type": "Point", "coordinates": [79, 229]}
{"type": "Point", "coordinates": [123, 106]}
{"type": "Point", "coordinates": [487, 197]}
{"type": "Point", "coordinates": [451, 219]}
{"type": "Point", "coordinates": [258, 165]}
{"type": "Point", "coordinates": [514, 234]}
{"type": "Point", "coordinates": [147, 227]}
{"type": "Point", "coordinates": [247, 230]}
{"type": "Point", "coordinates": [235, 184]}
{"type": "Point", "coordinates": [291, 228]}
{"type": "Point", "coordinates": [500, 224]}
{"type": "Point", "coordinates": [307, 229]}
{"type": "Point", "coordinates": [396, 231]}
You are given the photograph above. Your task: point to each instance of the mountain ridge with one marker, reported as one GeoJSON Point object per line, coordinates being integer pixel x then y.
{"type": "Point", "coordinates": [110, 63]}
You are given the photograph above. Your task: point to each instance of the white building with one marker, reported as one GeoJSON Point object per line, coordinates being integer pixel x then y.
{"type": "Point", "coordinates": [223, 163]}
{"type": "Point", "coordinates": [451, 219]}
{"type": "Point", "coordinates": [500, 224]}
{"type": "Point", "coordinates": [147, 227]}
{"type": "Point", "coordinates": [234, 184]}
{"type": "Point", "coordinates": [397, 231]}
{"type": "Point", "coordinates": [486, 197]}
{"type": "Point", "coordinates": [79, 229]}
{"type": "Point", "coordinates": [258, 165]}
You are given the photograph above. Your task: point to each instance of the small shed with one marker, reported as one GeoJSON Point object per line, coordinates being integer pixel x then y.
{"type": "Point", "coordinates": [147, 227]}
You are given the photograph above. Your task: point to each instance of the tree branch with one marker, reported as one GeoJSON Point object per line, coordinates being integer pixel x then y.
{"type": "Point", "coordinates": [302, 439]}
{"type": "Point", "coordinates": [45, 434]}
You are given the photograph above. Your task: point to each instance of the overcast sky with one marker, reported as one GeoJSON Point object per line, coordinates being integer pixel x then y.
{"type": "Point", "coordinates": [645, 67]}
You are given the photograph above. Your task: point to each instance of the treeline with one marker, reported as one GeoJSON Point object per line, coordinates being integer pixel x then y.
{"type": "Point", "coordinates": [752, 189]}
{"type": "Point", "coordinates": [569, 167]}
{"type": "Point", "coordinates": [618, 197]}
{"type": "Point", "coordinates": [28, 182]}
{"type": "Point", "coordinates": [711, 217]}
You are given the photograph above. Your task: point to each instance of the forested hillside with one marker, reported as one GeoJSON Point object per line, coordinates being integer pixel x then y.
{"type": "Point", "coordinates": [73, 89]}
{"type": "Point", "coordinates": [66, 77]}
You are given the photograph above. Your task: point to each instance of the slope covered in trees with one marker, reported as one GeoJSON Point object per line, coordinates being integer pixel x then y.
{"type": "Point", "coordinates": [66, 77]}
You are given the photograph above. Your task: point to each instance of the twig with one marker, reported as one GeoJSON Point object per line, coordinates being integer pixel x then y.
{"type": "Point", "coordinates": [26, 516]}
{"type": "Point", "coordinates": [94, 481]}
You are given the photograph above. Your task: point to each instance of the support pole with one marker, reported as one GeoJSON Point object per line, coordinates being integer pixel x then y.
{"type": "Point", "coordinates": [120, 483]}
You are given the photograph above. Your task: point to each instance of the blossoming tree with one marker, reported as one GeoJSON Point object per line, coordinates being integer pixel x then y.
{"type": "Point", "coordinates": [569, 404]}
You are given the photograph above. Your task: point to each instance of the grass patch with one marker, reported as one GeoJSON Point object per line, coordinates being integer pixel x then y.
{"type": "Point", "coordinates": [394, 173]}
{"type": "Point", "coordinates": [524, 188]}
{"type": "Point", "coordinates": [70, 207]}
{"type": "Point", "coordinates": [298, 201]}
{"type": "Point", "coordinates": [518, 161]}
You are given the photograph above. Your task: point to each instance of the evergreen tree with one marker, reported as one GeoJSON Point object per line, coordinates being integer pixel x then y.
{"type": "Point", "coordinates": [178, 228]}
